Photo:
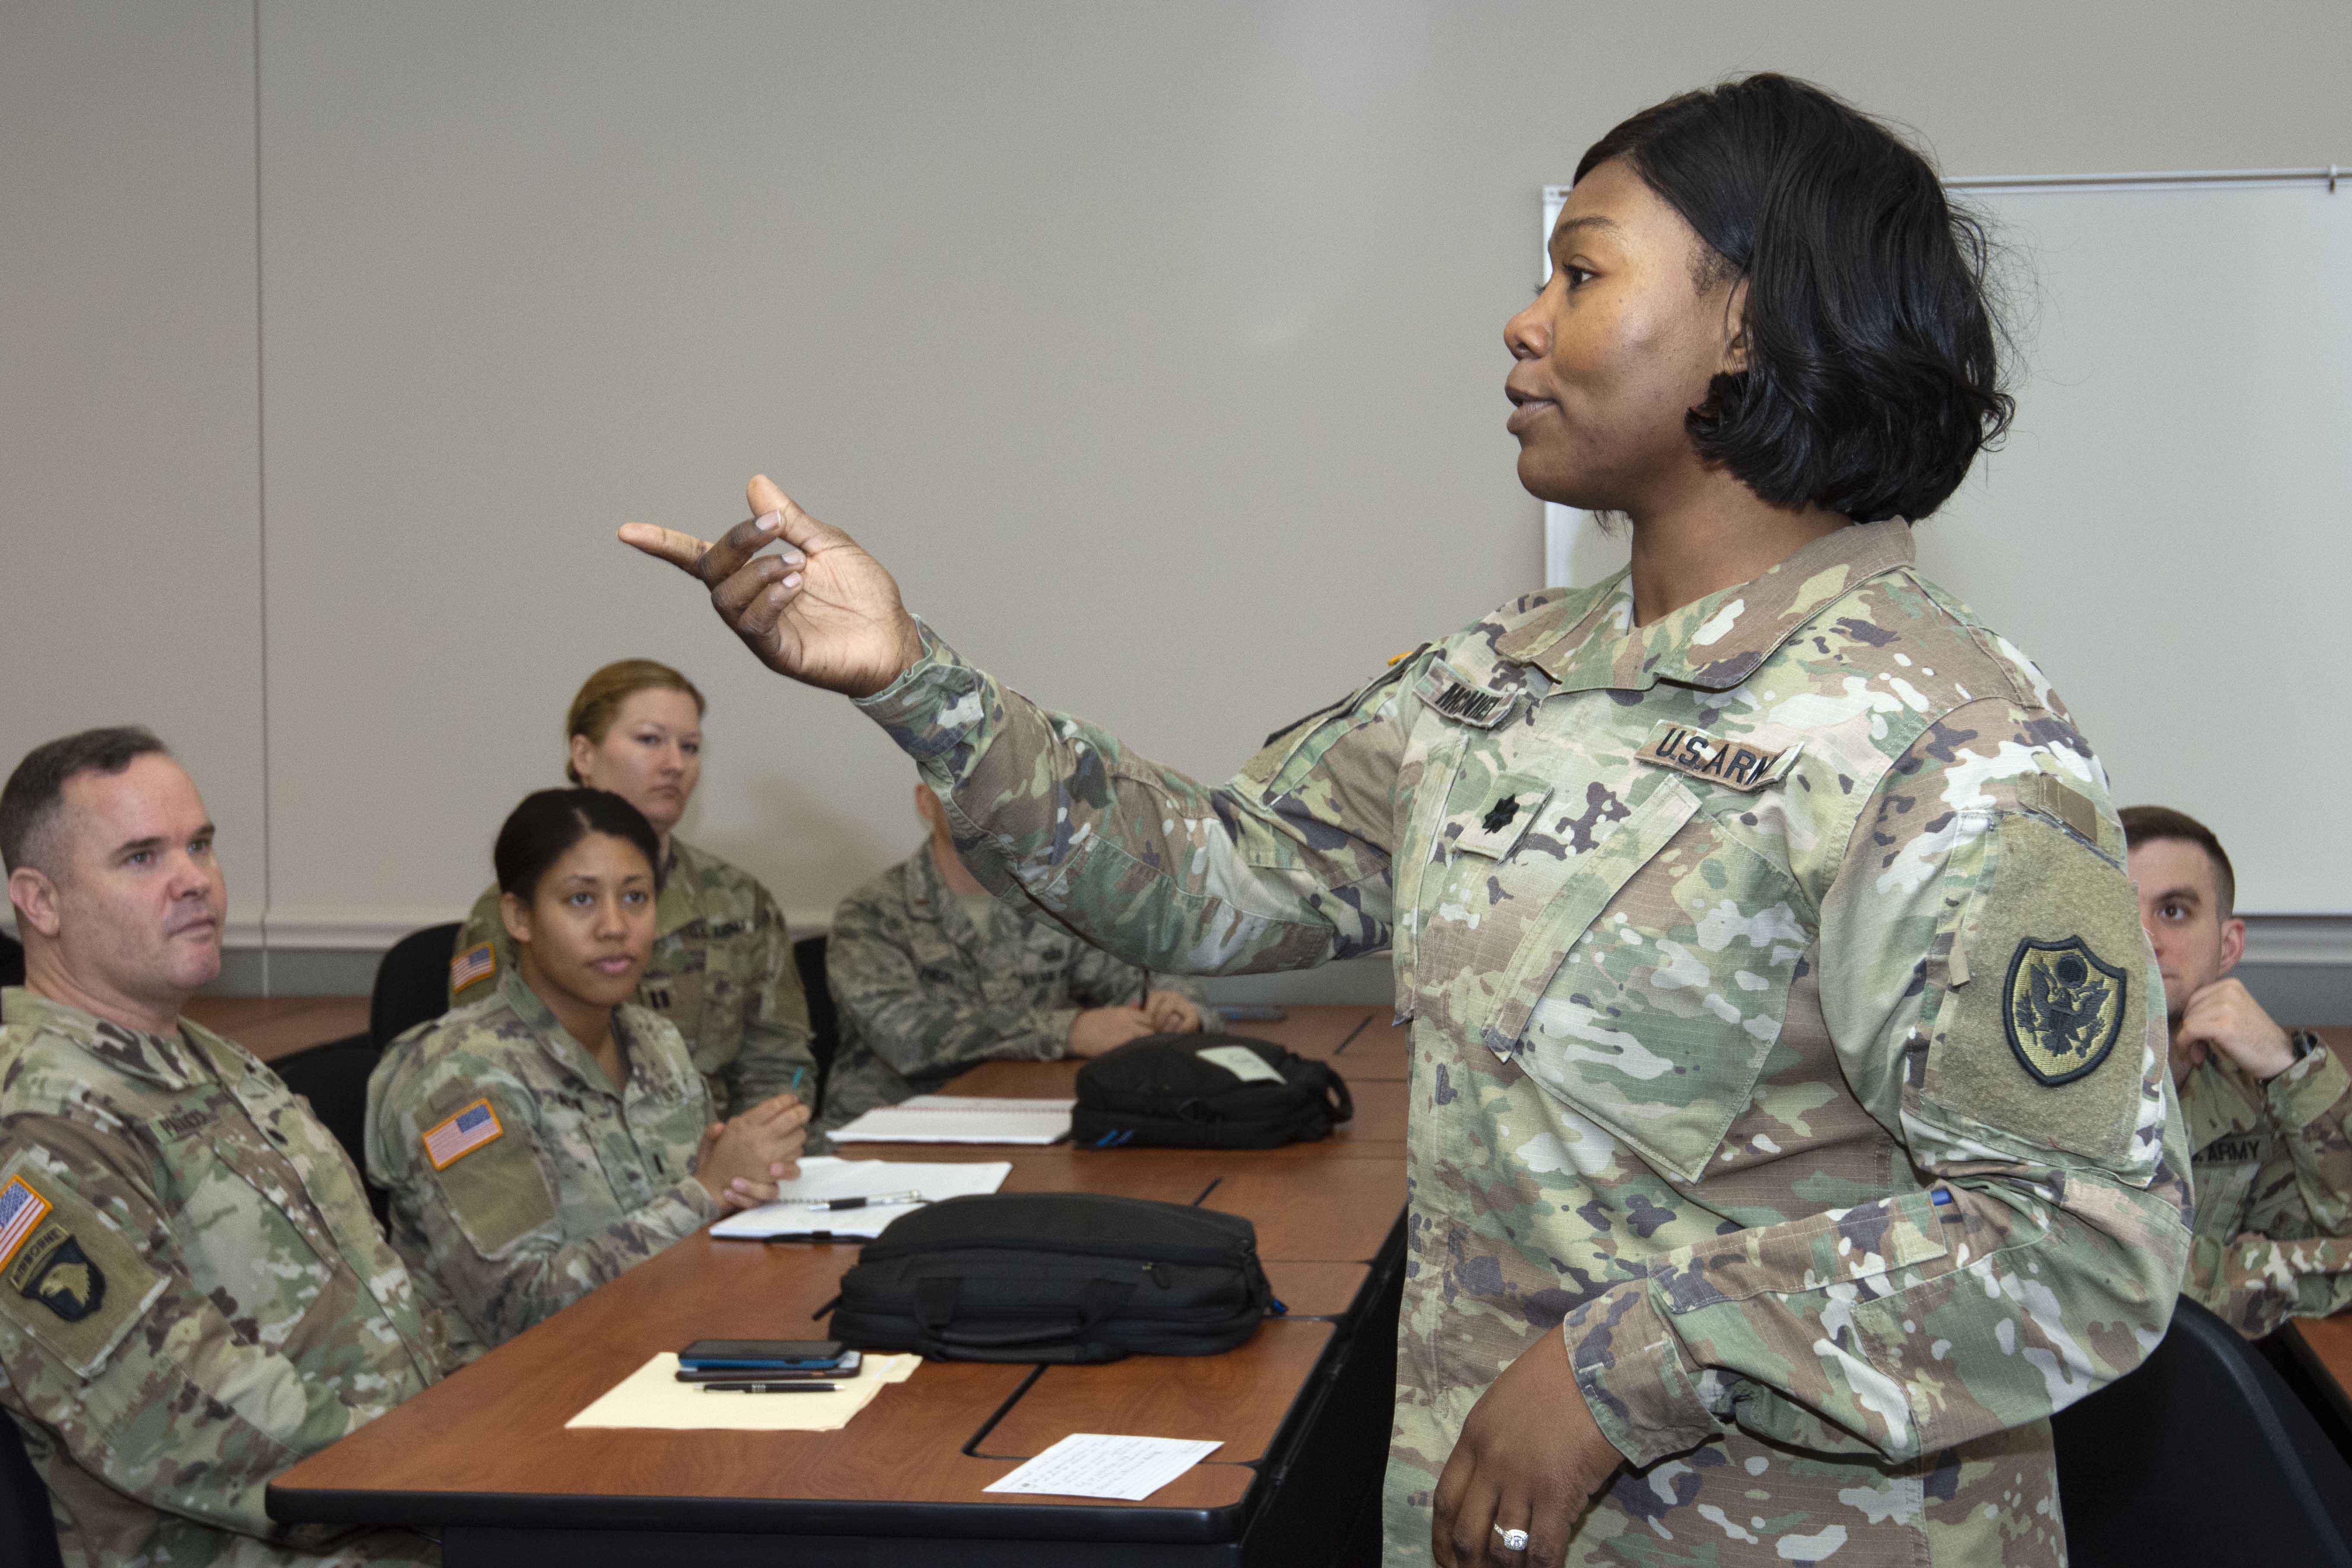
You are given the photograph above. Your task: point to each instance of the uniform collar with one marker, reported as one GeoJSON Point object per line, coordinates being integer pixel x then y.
{"type": "Point", "coordinates": [929, 892]}
{"type": "Point", "coordinates": [680, 904]}
{"type": "Point", "coordinates": [1590, 643]}
{"type": "Point", "coordinates": [193, 1057]}
{"type": "Point", "coordinates": [2216, 1102]}
{"type": "Point", "coordinates": [568, 1054]}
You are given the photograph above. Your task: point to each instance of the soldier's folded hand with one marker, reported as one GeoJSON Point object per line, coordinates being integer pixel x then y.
{"type": "Point", "coordinates": [1173, 1012]}
{"type": "Point", "coordinates": [2225, 1017]}
{"type": "Point", "coordinates": [742, 1160]}
{"type": "Point", "coordinates": [822, 610]}
{"type": "Point", "coordinates": [1529, 1460]}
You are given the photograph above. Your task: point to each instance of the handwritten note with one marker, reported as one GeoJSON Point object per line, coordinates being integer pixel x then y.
{"type": "Point", "coordinates": [1093, 1464]}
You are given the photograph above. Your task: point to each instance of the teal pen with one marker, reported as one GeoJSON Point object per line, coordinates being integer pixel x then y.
{"type": "Point", "coordinates": [796, 1080]}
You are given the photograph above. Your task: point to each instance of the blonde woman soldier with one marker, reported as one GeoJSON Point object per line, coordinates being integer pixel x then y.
{"type": "Point", "coordinates": [722, 966]}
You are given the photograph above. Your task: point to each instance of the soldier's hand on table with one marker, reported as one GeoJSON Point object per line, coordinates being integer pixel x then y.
{"type": "Point", "coordinates": [742, 1160]}
{"type": "Point", "coordinates": [2225, 1017]}
{"type": "Point", "coordinates": [823, 611]}
{"type": "Point", "coordinates": [1173, 1012]}
{"type": "Point", "coordinates": [1100, 1029]}
{"type": "Point", "coordinates": [1529, 1458]}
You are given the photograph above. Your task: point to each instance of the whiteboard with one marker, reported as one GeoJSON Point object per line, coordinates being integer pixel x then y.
{"type": "Point", "coordinates": [2168, 530]}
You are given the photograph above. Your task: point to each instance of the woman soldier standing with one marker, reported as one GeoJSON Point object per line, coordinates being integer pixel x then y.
{"type": "Point", "coordinates": [1789, 1126]}
{"type": "Point", "coordinates": [721, 968]}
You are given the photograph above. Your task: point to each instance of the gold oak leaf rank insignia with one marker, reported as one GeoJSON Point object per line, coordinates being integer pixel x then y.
{"type": "Point", "coordinates": [2064, 1006]}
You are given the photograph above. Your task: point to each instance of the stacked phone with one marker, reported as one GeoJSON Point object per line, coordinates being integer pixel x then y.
{"type": "Point", "coordinates": [767, 1366]}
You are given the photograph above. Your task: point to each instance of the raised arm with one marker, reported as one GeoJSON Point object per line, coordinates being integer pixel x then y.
{"type": "Point", "coordinates": [1269, 872]}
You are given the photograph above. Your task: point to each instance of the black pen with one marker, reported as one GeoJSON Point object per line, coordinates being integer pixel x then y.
{"type": "Point", "coordinates": [834, 1205]}
{"type": "Point", "coordinates": [768, 1387]}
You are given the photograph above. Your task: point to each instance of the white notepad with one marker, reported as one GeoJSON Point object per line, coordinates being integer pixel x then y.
{"type": "Point", "coordinates": [961, 1118]}
{"type": "Point", "coordinates": [823, 1176]}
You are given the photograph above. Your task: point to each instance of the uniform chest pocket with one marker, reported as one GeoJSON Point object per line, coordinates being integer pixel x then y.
{"type": "Point", "coordinates": [249, 1238]}
{"type": "Point", "coordinates": [1660, 1005]}
{"type": "Point", "coordinates": [677, 986]}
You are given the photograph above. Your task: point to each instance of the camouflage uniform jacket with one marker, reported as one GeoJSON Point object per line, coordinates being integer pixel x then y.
{"type": "Point", "coordinates": [1781, 1037]}
{"type": "Point", "coordinates": [721, 971]}
{"type": "Point", "coordinates": [2274, 1170]}
{"type": "Point", "coordinates": [924, 993]}
{"type": "Point", "coordinates": [194, 1294]}
{"type": "Point", "coordinates": [521, 1178]}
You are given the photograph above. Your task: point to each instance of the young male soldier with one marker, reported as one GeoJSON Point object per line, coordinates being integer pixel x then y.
{"type": "Point", "coordinates": [2269, 1110]}
{"type": "Point", "coordinates": [931, 974]}
{"type": "Point", "coordinates": [193, 1292]}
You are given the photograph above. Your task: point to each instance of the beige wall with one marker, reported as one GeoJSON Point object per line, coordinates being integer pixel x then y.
{"type": "Point", "coordinates": [1157, 348]}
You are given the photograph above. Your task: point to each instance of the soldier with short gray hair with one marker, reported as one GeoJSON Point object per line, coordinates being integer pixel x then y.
{"type": "Point", "coordinates": [194, 1294]}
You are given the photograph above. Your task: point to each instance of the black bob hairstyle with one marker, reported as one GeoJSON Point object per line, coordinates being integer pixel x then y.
{"type": "Point", "coordinates": [1871, 379]}
{"type": "Point", "coordinates": [549, 822]}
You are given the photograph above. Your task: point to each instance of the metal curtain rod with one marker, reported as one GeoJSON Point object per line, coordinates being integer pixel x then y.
{"type": "Point", "coordinates": [2327, 176]}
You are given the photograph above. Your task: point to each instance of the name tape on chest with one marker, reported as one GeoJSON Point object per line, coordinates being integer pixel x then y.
{"type": "Point", "coordinates": [1735, 764]}
{"type": "Point", "coordinates": [458, 1135]}
{"type": "Point", "coordinates": [1461, 699]}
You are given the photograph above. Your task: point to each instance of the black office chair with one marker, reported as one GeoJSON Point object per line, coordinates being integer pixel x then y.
{"type": "Point", "coordinates": [2201, 1454]}
{"type": "Point", "coordinates": [412, 984]}
{"type": "Point", "coordinates": [334, 1078]}
{"type": "Point", "coordinates": [12, 961]}
{"type": "Point", "coordinates": [28, 1533]}
{"type": "Point", "coordinates": [825, 1018]}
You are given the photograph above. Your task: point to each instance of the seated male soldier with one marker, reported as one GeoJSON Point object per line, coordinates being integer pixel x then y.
{"type": "Point", "coordinates": [2269, 1110]}
{"type": "Point", "coordinates": [194, 1294]}
{"type": "Point", "coordinates": [931, 976]}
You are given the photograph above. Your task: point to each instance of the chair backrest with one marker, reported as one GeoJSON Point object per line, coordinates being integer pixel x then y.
{"type": "Point", "coordinates": [29, 1530]}
{"type": "Point", "coordinates": [2201, 1454]}
{"type": "Point", "coordinates": [412, 983]}
{"type": "Point", "coordinates": [334, 1078]}
{"type": "Point", "coordinates": [12, 961]}
{"type": "Point", "coordinates": [825, 1018]}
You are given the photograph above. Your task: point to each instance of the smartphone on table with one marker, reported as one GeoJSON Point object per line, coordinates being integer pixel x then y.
{"type": "Point", "coordinates": [736, 1357]}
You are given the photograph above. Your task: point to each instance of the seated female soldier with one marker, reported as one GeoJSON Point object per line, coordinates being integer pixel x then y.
{"type": "Point", "coordinates": [722, 966]}
{"type": "Point", "coordinates": [549, 1136]}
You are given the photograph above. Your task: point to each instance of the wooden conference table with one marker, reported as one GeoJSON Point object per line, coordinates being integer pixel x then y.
{"type": "Point", "coordinates": [484, 1461]}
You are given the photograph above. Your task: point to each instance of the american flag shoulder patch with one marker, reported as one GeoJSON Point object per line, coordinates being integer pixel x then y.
{"type": "Point", "coordinates": [22, 1209]}
{"type": "Point", "coordinates": [476, 963]}
{"type": "Point", "coordinates": [455, 1137]}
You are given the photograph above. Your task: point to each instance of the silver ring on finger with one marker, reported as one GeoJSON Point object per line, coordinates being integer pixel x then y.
{"type": "Point", "coordinates": [1513, 1540]}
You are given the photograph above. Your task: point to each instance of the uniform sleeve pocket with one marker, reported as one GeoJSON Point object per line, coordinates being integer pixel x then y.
{"type": "Point", "coordinates": [2042, 1033]}
{"type": "Point", "coordinates": [488, 1172]}
{"type": "Point", "coordinates": [69, 1281]}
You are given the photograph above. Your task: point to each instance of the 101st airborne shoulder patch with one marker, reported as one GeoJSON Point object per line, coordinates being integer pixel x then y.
{"type": "Point", "coordinates": [42, 1262]}
{"type": "Point", "coordinates": [2063, 1007]}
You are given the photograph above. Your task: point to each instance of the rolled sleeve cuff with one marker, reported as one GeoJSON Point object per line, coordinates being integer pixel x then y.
{"type": "Point", "coordinates": [1644, 1396]}
{"type": "Point", "coordinates": [2308, 1090]}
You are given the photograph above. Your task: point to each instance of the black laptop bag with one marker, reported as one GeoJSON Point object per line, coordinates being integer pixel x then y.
{"type": "Point", "coordinates": [1055, 1277]}
{"type": "Point", "coordinates": [1174, 1090]}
